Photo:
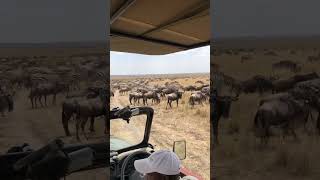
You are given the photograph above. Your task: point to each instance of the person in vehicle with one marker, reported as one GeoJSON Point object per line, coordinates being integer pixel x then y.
{"type": "Point", "coordinates": [160, 165]}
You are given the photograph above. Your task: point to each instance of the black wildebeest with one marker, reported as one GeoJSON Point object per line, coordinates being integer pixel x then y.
{"type": "Point", "coordinates": [44, 90]}
{"type": "Point", "coordinates": [305, 77]}
{"type": "Point", "coordinates": [287, 84]}
{"type": "Point", "coordinates": [206, 91]}
{"type": "Point", "coordinates": [91, 108]}
{"type": "Point", "coordinates": [256, 83]}
{"type": "Point", "coordinates": [150, 95]}
{"type": "Point", "coordinates": [282, 85]}
{"type": "Point", "coordinates": [283, 111]}
{"type": "Point", "coordinates": [199, 88]}
{"type": "Point", "coordinates": [167, 91]}
{"type": "Point", "coordinates": [69, 108]}
{"type": "Point", "coordinates": [310, 91]}
{"type": "Point", "coordinates": [175, 96]}
{"type": "Point", "coordinates": [197, 97]}
{"type": "Point", "coordinates": [286, 65]}
{"type": "Point", "coordinates": [220, 107]}
{"type": "Point", "coordinates": [135, 96]}
{"type": "Point", "coordinates": [142, 90]}
{"type": "Point", "coordinates": [190, 88]}
{"type": "Point", "coordinates": [313, 58]}
{"type": "Point", "coordinates": [199, 82]}
{"type": "Point", "coordinates": [6, 103]}
{"type": "Point", "coordinates": [124, 90]}
{"type": "Point", "coordinates": [245, 58]}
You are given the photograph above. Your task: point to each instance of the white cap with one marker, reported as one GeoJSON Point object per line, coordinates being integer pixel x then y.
{"type": "Point", "coordinates": [189, 178]}
{"type": "Point", "coordinates": [164, 162]}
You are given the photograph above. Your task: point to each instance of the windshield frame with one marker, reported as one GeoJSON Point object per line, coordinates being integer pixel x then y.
{"type": "Point", "coordinates": [145, 142]}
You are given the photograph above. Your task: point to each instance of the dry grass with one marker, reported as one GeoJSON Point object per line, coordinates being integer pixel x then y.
{"type": "Point", "coordinates": [240, 155]}
{"type": "Point", "coordinates": [182, 122]}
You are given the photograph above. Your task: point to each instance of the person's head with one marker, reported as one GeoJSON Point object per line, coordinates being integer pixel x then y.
{"type": "Point", "coordinates": [160, 165]}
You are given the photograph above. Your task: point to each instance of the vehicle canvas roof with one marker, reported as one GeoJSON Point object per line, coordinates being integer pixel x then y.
{"type": "Point", "coordinates": [159, 27]}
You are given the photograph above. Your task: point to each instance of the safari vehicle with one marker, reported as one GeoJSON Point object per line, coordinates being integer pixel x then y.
{"type": "Point", "coordinates": [56, 160]}
{"type": "Point", "coordinates": [51, 162]}
{"type": "Point", "coordinates": [150, 28]}
{"type": "Point", "coordinates": [129, 141]}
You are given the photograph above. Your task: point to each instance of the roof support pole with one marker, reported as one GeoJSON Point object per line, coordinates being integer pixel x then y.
{"type": "Point", "coordinates": [121, 10]}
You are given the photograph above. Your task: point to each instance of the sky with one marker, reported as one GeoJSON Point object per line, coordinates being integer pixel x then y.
{"type": "Point", "coordinates": [190, 61]}
{"type": "Point", "coordinates": [38, 21]}
{"type": "Point", "coordinates": [238, 18]}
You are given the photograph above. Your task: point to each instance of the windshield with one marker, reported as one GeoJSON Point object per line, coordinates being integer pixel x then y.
{"type": "Point", "coordinates": [124, 135]}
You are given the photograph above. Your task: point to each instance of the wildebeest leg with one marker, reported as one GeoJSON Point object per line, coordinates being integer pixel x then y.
{"type": "Point", "coordinates": [65, 119]}
{"type": "Point", "coordinates": [45, 100]}
{"type": "Point", "coordinates": [177, 102]}
{"type": "Point", "coordinates": [35, 101]}
{"type": "Point", "coordinates": [308, 114]}
{"type": "Point", "coordinates": [167, 104]}
{"type": "Point", "coordinates": [294, 135]}
{"type": "Point", "coordinates": [39, 98]}
{"type": "Point", "coordinates": [83, 124]}
{"type": "Point", "coordinates": [77, 128]}
{"type": "Point", "coordinates": [92, 124]}
{"type": "Point", "coordinates": [31, 100]}
{"type": "Point", "coordinates": [318, 123]}
{"type": "Point", "coordinates": [260, 90]}
{"type": "Point", "coordinates": [54, 98]}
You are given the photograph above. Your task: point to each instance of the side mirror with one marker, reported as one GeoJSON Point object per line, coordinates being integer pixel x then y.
{"type": "Point", "coordinates": [180, 148]}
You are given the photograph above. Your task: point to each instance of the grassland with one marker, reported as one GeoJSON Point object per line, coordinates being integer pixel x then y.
{"type": "Point", "coordinates": [240, 156]}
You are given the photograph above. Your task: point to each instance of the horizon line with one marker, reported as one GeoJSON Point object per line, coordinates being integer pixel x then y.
{"type": "Point", "coordinates": [158, 74]}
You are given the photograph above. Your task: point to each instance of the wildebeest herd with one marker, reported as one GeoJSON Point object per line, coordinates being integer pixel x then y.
{"type": "Point", "coordinates": [289, 104]}
{"type": "Point", "coordinates": [80, 81]}
{"type": "Point", "coordinates": [265, 113]}
{"type": "Point", "coordinates": [140, 91]}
